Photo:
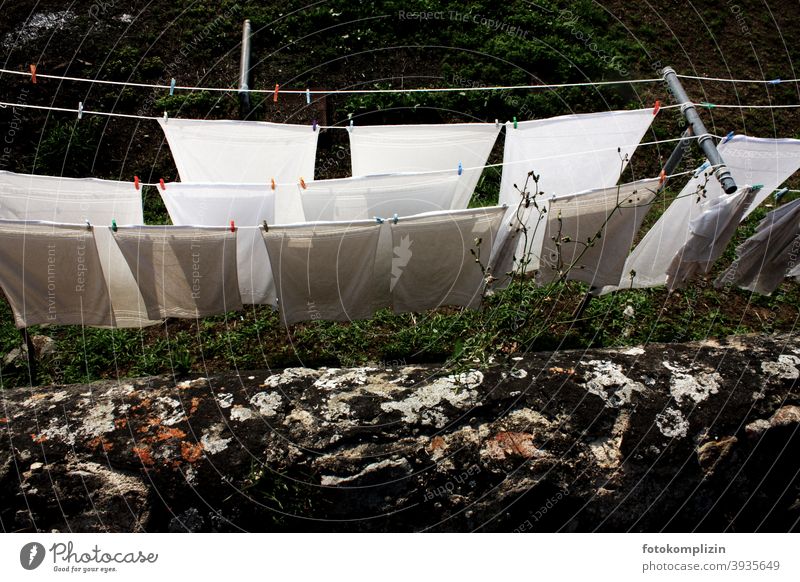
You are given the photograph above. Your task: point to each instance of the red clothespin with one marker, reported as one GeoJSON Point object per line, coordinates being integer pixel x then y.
{"type": "Point", "coordinates": [302, 183]}
{"type": "Point", "coordinates": [33, 73]}
{"type": "Point", "coordinates": [275, 95]}
{"type": "Point", "coordinates": [273, 183]}
{"type": "Point", "coordinates": [233, 226]}
{"type": "Point", "coordinates": [656, 107]}
{"type": "Point", "coordinates": [662, 177]}
{"type": "Point", "coordinates": [161, 183]}
{"type": "Point", "coordinates": [136, 182]}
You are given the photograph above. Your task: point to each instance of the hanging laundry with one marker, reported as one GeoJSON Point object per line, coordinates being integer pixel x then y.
{"type": "Point", "coordinates": [182, 271]}
{"type": "Point", "coordinates": [709, 234]}
{"type": "Point", "coordinates": [324, 271]}
{"type": "Point", "coordinates": [433, 264]}
{"type": "Point", "coordinates": [364, 198]}
{"type": "Point", "coordinates": [766, 258]}
{"type": "Point", "coordinates": [386, 149]}
{"type": "Point", "coordinates": [588, 235]}
{"type": "Point", "coordinates": [191, 204]}
{"type": "Point", "coordinates": [750, 160]}
{"type": "Point", "coordinates": [72, 200]}
{"type": "Point", "coordinates": [51, 273]}
{"type": "Point", "coordinates": [570, 153]}
{"type": "Point", "coordinates": [241, 151]}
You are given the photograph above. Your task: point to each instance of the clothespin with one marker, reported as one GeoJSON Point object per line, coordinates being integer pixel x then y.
{"type": "Point", "coordinates": [33, 73]}
{"type": "Point", "coordinates": [515, 123]}
{"type": "Point", "coordinates": [161, 183]}
{"type": "Point", "coordinates": [497, 124]}
{"type": "Point", "coordinates": [379, 220]}
{"type": "Point", "coordinates": [656, 107]}
{"type": "Point", "coordinates": [707, 105]}
{"type": "Point", "coordinates": [394, 218]}
{"type": "Point", "coordinates": [350, 117]}
{"type": "Point", "coordinates": [302, 183]}
{"type": "Point", "coordinates": [114, 225]}
{"type": "Point", "coordinates": [775, 81]}
{"type": "Point", "coordinates": [172, 87]}
{"type": "Point", "coordinates": [662, 177]}
{"type": "Point", "coordinates": [88, 225]}
{"type": "Point", "coordinates": [266, 226]}
{"type": "Point", "coordinates": [80, 109]}
{"type": "Point", "coordinates": [779, 193]}
{"type": "Point", "coordinates": [136, 182]}
{"type": "Point", "coordinates": [233, 226]}
{"type": "Point", "coordinates": [460, 169]}
{"type": "Point", "coordinates": [728, 137]}
{"type": "Point", "coordinates": [756, 187]}
{"type": "Point", "coordinates": [308, 97]}
{"type": "Point", "coordinates": [166, 119]}
{"type": "Point", "coordinates": [313, 125]}
{"type": "Point", "coordinates": [273, 183]}
{"type": "Point", "coordinates": [702, 167]}
{"type": "Point", "coordinates": [275, 95]}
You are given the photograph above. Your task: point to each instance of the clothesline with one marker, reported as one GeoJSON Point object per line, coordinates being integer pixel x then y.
{"type": "Point", "coordinates": [777, 81]}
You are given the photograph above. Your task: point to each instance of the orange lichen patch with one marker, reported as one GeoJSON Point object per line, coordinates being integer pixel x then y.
{"type": "Point", "coordinates": [191, 452]}
{"type": "Point", "coordinates": [144, 403]}
{"type": "Point", "coordinates": [3, 420]}
{"type": "Point", "coordinates": [164, 434]}
{"type": "Point", "coordinates": [149, 423]}
{"type": "Point", "coordinates": [144, 455]}
{"type": "Point", "coordinates": [121, 423]}
{"type": "Point", "coordinates": [195, 405]}
{"type": "Point", "coordinates": [557, 370]}
{"type": "Point", "coordinates": [506, 444]}
{"type": "Point", "coordinates": [437, 442]}
{"type": "Point", "coordinates": [98, 442]}
{"type": "Point", "coordinates": [38, 439]}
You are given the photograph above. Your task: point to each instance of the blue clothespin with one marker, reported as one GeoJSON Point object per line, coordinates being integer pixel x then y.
{"type": "Point", "coordinates": [460, 169]}
{"type": "Point", "coordinates": [728, 137]}
{"type": "Point", "coordinates": [80, 110]}
{"type": "Point", "coordinates": [394, 218]}
{"type": "Point", "coordinates": [308, 97]}
{"type": "Point", "coordinates": [379, 220]}
{"type": "Point", "coordinates": [775, 81]}
{"type": "Point", "coordinates": [699, 170]}
{"type": "Point", "coordinates": [172, 87]}
{"type": "Point", "coordinates": [756, 187]}
{"type": "Point", "coordinates": [780, 193]}
{"type": "Point", "coordinates": [313, 125]}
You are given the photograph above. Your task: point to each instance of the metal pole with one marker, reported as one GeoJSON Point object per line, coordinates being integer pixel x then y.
{"type": "Point", "coordinates": [705, 141]}
{"type": "Point", "coordinates": [677, 154]}
{"type": "Point", "coordinates": [31, 349]}
{"type": "Point", "coordinates": [244, 71]}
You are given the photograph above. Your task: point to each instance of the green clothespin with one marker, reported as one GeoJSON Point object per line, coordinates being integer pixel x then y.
{"type": "Point", "coordinates": [515, 123]}
{"type": "Point", "coordinates": [114, 225]}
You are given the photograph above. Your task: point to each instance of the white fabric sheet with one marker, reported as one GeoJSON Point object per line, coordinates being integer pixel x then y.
{"type": "Point", "coordinates": [765, 259]}
{"type": "Point", "coordinates": [364, 198]}
{"type": "Point", "coordinates": [71, 200]}
{"type": "Point", "coordinates": [589, 234]}
{"type": "Point", "coordinates": [570, 153]}
{"type": "Point", "coordinates": [709, 234]}
{"type": "Point", "coordinates": [51, 273]}
{"type": "Point", "coordinates": [324, 271]}
{"type": "Point", "coordinates": [752, 161]}
{"type": "Point", "coordinates": [432, 265]}
{"type": "Point", "coordinates": [191, 204]}
{"type": "Point", "coordinates": [183, 271]}
{"type": "Point", "coordinates": [241, 151]}
{"type": "Point", "coordinates": [420, 148]}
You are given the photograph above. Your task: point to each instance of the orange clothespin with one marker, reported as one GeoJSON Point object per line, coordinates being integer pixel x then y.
{"type": "Point", "coordinates": [273, 183]}
{"type": "Point", "coordinates": [233, 226]}
{"type": "Point", "coordinates": [161, 183]}
{"type": "Point", "coordinates": [275, 95]}
{"type": "Point", "coordinates": [302, 183]}
{"type": "Point", "coordinates": [33, 73]}
{"type": "Point", "coordinates": [662, 177]}
{"type": "Point", "coordinates": [136, 182]}
{"type": "Point", "coordinates": [656, 107]}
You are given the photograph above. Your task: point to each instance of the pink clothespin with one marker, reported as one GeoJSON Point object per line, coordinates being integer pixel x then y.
{"type": "Point", "coordinates": [275, 95]}
{"type": "Point", "coordinates": [656, 107]}
{"type": "Point", "coordinates": [233, 226]}
{"type": "Point", "coordinates": [161, 183]}
{"type": "Point", "coordinates": [136, 182]}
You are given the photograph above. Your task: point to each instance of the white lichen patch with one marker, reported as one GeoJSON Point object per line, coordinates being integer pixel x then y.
{"type": "Point", "coordinates": [609, 383]}
{"type": "Point", "coordinates": [241, 413]}
{"type": "Point", "coordinates": [685, 385]}
{"type": "Point", "coordinates": [399, 464]}
{"type": "Point", "coordinates": [672, 423]}
{"type": "Point", "coordinates": [98, 420]}
{"type": "Point", "coordinates": [786, 367]}
{"type": "Point", "coordinates": [212, 440]}
{"type": "Point", "coordinates": [225, 400]}
{"type": "Point", "coordinates": [334, 378]}
{"type": "Point", "coordinates": [170, 410]}
{"type": "Point", "coordinates": [420, 405]}
{"type": "Point", "coordinates": [266, 403]}
{"type": "Point", "coordinates": [290, 375]}
{"type": "Point", "coordinates": [36, 26]}
{"type": "Point", "coordinates": [633, 352]}
{"type": "Point", "coordinates": [58, 432]}
{"type": "Point", "coordinates": [337, 407]}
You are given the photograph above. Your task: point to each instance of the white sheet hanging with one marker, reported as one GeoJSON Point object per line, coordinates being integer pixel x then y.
{"type": "Point", "coordinates": [364, 198]}
{"type": "Point", "coordinates": [765, 259]}
{"type": "Point", "coordinates": [247, 205]}
{"type": "Point", "coordinates": [588, 235]}
{"type": "Point", "coordinates": [51, 273]}
{"type": "Point", "coordinates": [72, 200]}
{"type": "Point", "coordinates": [241, 151]}
{"type": "Point", "coordinates": [709, 234]}
{"type": "Point", "coordinates": [182, 271]}
{"type": "Point", "coordinates": [570, 153]}
{"type": "Point", "coordinates": [382, 149]}
{"type": "Point", "coordinates": [432, 263]}
{"type": "Point", "coordinates": [324, 271]}
{"type": "Point", "coordinates": [751, 161]}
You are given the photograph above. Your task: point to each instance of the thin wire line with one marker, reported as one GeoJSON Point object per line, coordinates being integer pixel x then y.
{"type": "Point", "coordinates": [327, 91]}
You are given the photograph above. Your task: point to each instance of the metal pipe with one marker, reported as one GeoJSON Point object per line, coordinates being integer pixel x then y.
{"type": "Point", "coordinates": [705, 141]}
{"type": "Point", "coordinates": [244, 70]}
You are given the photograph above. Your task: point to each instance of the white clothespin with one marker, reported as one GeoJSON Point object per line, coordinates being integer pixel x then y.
{"type": "Point", "coordinates": [80, 110]}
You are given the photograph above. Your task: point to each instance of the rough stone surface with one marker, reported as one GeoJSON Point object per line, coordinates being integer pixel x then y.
{"type": "Point", "coordinates": [699, 436]}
